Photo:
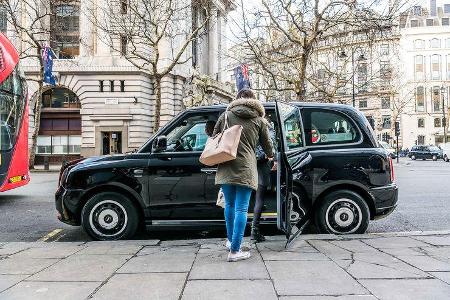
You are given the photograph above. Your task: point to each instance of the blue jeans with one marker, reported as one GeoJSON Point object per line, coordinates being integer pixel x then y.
{"type": "Point", "coordinates": [237, 199]}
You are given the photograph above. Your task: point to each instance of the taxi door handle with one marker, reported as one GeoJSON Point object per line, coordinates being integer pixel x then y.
{"type": "Point", "coordinates": [209, 171]}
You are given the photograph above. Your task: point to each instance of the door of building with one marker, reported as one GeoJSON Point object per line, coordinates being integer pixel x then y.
{"type": "Point", "coordinates": [111, 142]}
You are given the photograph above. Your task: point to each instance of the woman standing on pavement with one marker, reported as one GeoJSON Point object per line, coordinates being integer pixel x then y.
{"type": "Point", "coordinates": [239, 177]}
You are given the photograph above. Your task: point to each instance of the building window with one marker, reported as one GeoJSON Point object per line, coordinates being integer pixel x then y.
{"type": "Point", "coordinates": [420, 140]}
{"type": "Point", "coordinates": [437, 122]}
{"type": "Point", "coordinates": [60, 98]}
{"type": "Point", "coordinates": [414, 23]}
{"type": "Point", "coordinates": [417, 10]}
{"type": "Point", "coordinates": [111, 85]}
{"type": "Point", "coordinates": [419, 44]}
{"type": "Point", "coordinates": [421, 122]}
{"type": "Point", "coordinates": [435, 67]}
{"type": "Point", "coordinates": [123, 44]}
{"type": "Point", "coordinates": [385, 70]}
{"type": "Point", "coordinates": [384, 49]}
{"type": "Point", "coordinates": [65, 28]}
{"type": "Point", "coordinates": [420, 99]}
{"type": "Point", "coordinates": [362, 103]}
{"type": "Point", "coordinates": [385, 137]}
{"type": "Point", "coordinates": [447, 8]}
{"type": "Point", "coordinates": [101, 85]}
{"type": "Point", "coordinates": [430, 22]}
{"type": "Point", "coordinates": [122, 85]}
{"type": "Point", "coordinates": [419, 66]}
{"type": "Point", "coordinates": [386, 122]}
{"type": "Point", "coordinates": [445, 22]}
{"type": "Point", "coordinates": [448, 66]}
{"type": "Point", "coordinates": [436, 98]}
{"type": "Point", "coordinates": [3, 19]}
{"type": "Point", "coordinates": [386, 102]}
{"type": "Point", "coordinates": [123, 7]}
{"type": "Point", "coordinates": [58, 144]}
{"type": "Point", "coordinates": [362, 76]}
{"type": "Point", "coordinates": [435, 43]}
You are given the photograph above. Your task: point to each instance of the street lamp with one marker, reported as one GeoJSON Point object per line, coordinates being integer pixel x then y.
{"type": "Point", "coordinates": [444, 119]}
{"type": "Point", "coordinates": [361, 57]}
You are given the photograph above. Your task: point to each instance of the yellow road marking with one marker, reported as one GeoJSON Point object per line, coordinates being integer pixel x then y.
{"type": "Point", "coordinates": [49, 235]}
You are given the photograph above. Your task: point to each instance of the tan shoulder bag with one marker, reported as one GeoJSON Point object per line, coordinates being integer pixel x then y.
{"type": "Point", "coordinates": [223, 146]}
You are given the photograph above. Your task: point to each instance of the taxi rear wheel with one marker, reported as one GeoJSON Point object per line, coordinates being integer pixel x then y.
{"type": "Point", "coordinates": [109, 216]}
{"type": "Point", "coordinates": [342, 212]}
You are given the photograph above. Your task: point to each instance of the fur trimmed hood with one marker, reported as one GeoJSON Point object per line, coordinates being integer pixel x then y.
{"type": "Point", "coordinates": [247, 108]}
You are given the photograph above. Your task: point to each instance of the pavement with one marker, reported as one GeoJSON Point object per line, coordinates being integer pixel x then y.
{"type": "Point", "coordinates": [409, 265]}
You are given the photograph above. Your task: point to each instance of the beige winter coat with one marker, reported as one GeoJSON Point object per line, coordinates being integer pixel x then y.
{"type": "Point", "coordinates": [243, 170]}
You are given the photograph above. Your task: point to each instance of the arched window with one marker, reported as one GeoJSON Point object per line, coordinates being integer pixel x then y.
{"type": "Point", "coordinates": [65, 28]}
{"type": "Point", "coordinates": [60, 98]}
{"type": "Point", "coordinates": [435, 43]}
{"type": "Point", "coordinates": [419, 44]}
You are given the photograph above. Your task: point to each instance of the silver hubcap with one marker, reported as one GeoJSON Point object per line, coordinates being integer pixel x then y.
{"type": "Point", "coordinates": [108, 218]}
{"type": "Point", "coordinates": [343, 216]}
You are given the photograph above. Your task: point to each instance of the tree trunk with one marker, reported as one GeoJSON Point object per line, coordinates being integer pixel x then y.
{"type": "Point", "coordinates": [37, 123]}
{"type": "Point", "coordinates": [157, 116]}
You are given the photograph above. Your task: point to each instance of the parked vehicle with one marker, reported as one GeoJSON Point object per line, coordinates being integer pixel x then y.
{"type": "Point", "coordinates": [445, 151]}
{"type": "Point", "coordinates": [392, 151]}
{"type": "Point", "coordinates": [425, 152]}
{"type": "Point", "coordinates": [14, 171]}
{"type": "Point", "coordinates": [330, 170]}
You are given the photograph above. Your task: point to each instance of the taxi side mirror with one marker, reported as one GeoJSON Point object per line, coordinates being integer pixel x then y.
{"type": "Point", "coordinates": [160, 144]}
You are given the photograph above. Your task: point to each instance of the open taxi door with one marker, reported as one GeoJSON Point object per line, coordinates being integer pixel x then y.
{"type": "Point", "coordinates": [292, 213]}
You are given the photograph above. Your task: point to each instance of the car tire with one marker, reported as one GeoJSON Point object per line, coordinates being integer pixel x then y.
{"type": "Point", "coordinates": [413, 157]}
{"type": "Point", "coordinates": [446, 158]}
{"type": "Point", "coordinates": [434, 157]}
{"type": "Point", "coordinates": [110, 216]}
{"type": "Point", "coordinates": [342, 212]}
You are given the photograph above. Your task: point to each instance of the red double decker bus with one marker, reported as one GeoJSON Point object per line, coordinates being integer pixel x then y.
{"type": "Point", "coordinates": [14, 171]}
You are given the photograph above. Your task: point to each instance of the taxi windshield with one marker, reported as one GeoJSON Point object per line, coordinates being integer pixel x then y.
{"type": "Point", "coordinates": [12, 102]}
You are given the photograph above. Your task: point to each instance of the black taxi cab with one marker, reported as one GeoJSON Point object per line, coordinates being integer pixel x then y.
{"type": "Point", "coordinates": [331, 170]}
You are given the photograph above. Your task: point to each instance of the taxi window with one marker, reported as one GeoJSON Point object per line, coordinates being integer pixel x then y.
{"type": "Point", "coordinates": [188, 135]}
{"type": "Point", "coordinates": [327, 127]}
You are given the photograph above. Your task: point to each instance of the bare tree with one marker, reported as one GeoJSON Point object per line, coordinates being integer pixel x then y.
{"type": "Point", "coordinates": [153, 35]}
{"type": "Point", "coordinates": [288, 40]}
{"type": "Point", "coordinates": [29, 21]}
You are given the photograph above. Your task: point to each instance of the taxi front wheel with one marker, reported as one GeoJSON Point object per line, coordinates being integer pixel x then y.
{"type": "Point", "coordinates": [342, 212]}
{"type": "Point", "coordinates": [109, 216]}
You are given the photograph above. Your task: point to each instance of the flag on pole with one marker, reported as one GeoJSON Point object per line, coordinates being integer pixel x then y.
{"type": "Point", "coordinates": [242, 77]}
{"type": "Point", "coordinates": [48, 56]}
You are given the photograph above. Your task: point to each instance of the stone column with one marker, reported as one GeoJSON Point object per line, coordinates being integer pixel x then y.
{"type": "Point", "coordinates": [213, 36]}
{"type": "Point", "coordinates": [86, 29]}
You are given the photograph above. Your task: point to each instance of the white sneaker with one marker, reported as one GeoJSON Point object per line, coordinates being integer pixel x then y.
{"type": "Point", "coordinates": [228, 244]}
{"type": "Point", "coordinates": [241, 255]}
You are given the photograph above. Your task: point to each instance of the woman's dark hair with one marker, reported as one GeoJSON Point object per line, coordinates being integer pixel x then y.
{"type": "Point", "coordinates": [245, 93]}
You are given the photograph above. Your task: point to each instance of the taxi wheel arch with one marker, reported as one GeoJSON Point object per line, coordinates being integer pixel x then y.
{"type": "Point", "coordinates": [337, 208]}
{"type": "Point", "coordinates": [110, 216]}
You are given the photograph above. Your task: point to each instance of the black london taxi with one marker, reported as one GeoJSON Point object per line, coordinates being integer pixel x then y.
{"type": "Point", "coordinates": [331, 170]}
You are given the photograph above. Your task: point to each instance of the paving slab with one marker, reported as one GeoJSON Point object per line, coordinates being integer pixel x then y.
{"type": "Point", "coordinates": [343, 297]}
{"type": "Point", "coordinates": [444, 276]}
{"type": "Point", "coordinates": [354, 246]}
{"type": "Point", "coordinates": [125, 242]}
{"type": "Point", "coordinates": [12, 248]}
{"type": "Point", "coordinates": [439, 252]}
{"type": "Point", "coordinates": [299, 251]}
{"type": "Point", "coordinates": [110, 248]}
{"type": "Point", "coordinates": [214, 265]}
{"type": "Point", "coordinates": [435, 240]}
{"type": "Point", "coordinates": [7, 281]}
{"type": "Point", "coordinates": [161, 286]}
{"type": "Point", "coordinates": [395, 242]}
{"type": "Point", "coordinates": [229, 289]}
{"type": "Point", "coordinates": [50, 290]}
{"type": "Point", "coordinates": [82, 268]}
{"type": "Point", "coordinates": [177, 259]}
{"type": "Point", "coordinates": [330, 250]}
{"type": "Point", "coordinates": [403, 251]}
{"type": "Point", "coordinates": [407, 289]}
{"type": "Point", "coordinates": [426, 263]}
{"type": "Point", "coordinates": [24, 265]}
{"type": "Point", "coordinates": [51, 251]}
{"type": "Point", "coordinates": [367, 265]}
{"type": "Point", "coordinates": [312, 278]}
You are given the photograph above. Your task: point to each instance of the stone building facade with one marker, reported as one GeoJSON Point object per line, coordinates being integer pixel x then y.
{"type": "Point", "coordinates": [425, 42]}
{"type": "Point", "coordinates": [103, 104]}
